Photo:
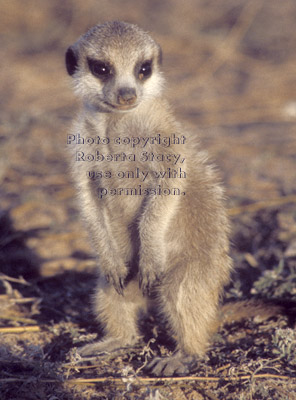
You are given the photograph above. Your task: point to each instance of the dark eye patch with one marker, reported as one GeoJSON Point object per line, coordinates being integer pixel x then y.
{"type": "Point", "coordinates": [100, 69]}
{"type": "Point", "coordinates": [145, 70]}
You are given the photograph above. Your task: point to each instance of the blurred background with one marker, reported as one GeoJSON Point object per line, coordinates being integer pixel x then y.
{"type": "Point", "coordinates": [231, 77]}
{"type": "Point", "coordinates": [230, 68]}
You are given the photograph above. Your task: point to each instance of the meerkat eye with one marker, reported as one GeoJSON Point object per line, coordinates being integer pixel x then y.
{"type": "Point", "coordinates": [145, 70]}
{"type": "Point", "coordinates": [99, 69]}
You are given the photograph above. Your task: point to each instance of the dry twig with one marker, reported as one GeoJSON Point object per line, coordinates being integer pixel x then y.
{"type": "Point", "coordinates": [20, 329]}
{"type": "Point", "coordinates": [140, 380]}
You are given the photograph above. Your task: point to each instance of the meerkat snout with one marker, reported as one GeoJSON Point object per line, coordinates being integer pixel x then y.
{"type": "Point", "coordinates": [126, 95]}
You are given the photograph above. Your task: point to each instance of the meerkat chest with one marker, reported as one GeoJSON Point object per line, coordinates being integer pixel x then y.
{"type": "Point", "coordinates": [121, 153]}
{"type": "Point", "coordinates": [127, 160]}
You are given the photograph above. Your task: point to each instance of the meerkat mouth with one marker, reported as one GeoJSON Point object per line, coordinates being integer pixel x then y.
{"type": "Point", "coordinates": [117, 107]}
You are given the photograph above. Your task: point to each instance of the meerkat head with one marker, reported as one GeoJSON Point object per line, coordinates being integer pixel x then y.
{"type": "Point", "coordinates": [115, 67]}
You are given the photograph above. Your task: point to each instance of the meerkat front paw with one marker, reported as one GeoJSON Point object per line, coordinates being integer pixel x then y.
{"type": "Point", "coordinates": [116, 276]}
{"type": "Point", "coordinates": [149, 275]}
{"type": "Point", "coordinates": [151, 267]}
{"type": "Point", "coordinates": [147, 280]}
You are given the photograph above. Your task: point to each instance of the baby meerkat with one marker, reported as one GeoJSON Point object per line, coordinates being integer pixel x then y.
{"type": "Point", "coordinates": [153, 206]}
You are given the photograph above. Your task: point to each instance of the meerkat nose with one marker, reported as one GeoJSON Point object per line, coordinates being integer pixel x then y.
{"type": "Point", "coordinates": [126, 95]}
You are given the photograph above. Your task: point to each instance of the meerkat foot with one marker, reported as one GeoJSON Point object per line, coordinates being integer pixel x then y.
{"type": "Point", "coordinates": [103, 347]}
{"type": "Point", "coordinates": [178, 364]}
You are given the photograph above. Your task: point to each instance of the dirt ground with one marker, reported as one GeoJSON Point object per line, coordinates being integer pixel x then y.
{"type": "Point", "coordinates": [230, 68]}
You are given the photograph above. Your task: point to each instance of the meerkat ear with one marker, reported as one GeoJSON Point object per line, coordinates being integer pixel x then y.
{"type": "Point", "coordinates": [159, 56]}
{"type": "Point", "coordinates": [71, 58]}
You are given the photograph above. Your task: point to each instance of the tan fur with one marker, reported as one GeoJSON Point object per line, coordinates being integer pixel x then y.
{"type": "Point", "coordinates": [174, 246]}
{"type": "Point", "coordinates": [246, 309]}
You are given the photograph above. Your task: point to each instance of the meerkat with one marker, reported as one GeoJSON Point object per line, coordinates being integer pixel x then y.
{"type": "Point", "coordinates": [152, 203]}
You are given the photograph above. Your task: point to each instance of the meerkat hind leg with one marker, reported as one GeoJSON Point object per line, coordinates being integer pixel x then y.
{"type": "Point", "coordinates": [190, 310]}
{"type": "Point", "coordinates": [105, 346]}
{"type": "Point", "coordinates": [119, 315]}
{"type": "Point", "coordinates": [177, 364]}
